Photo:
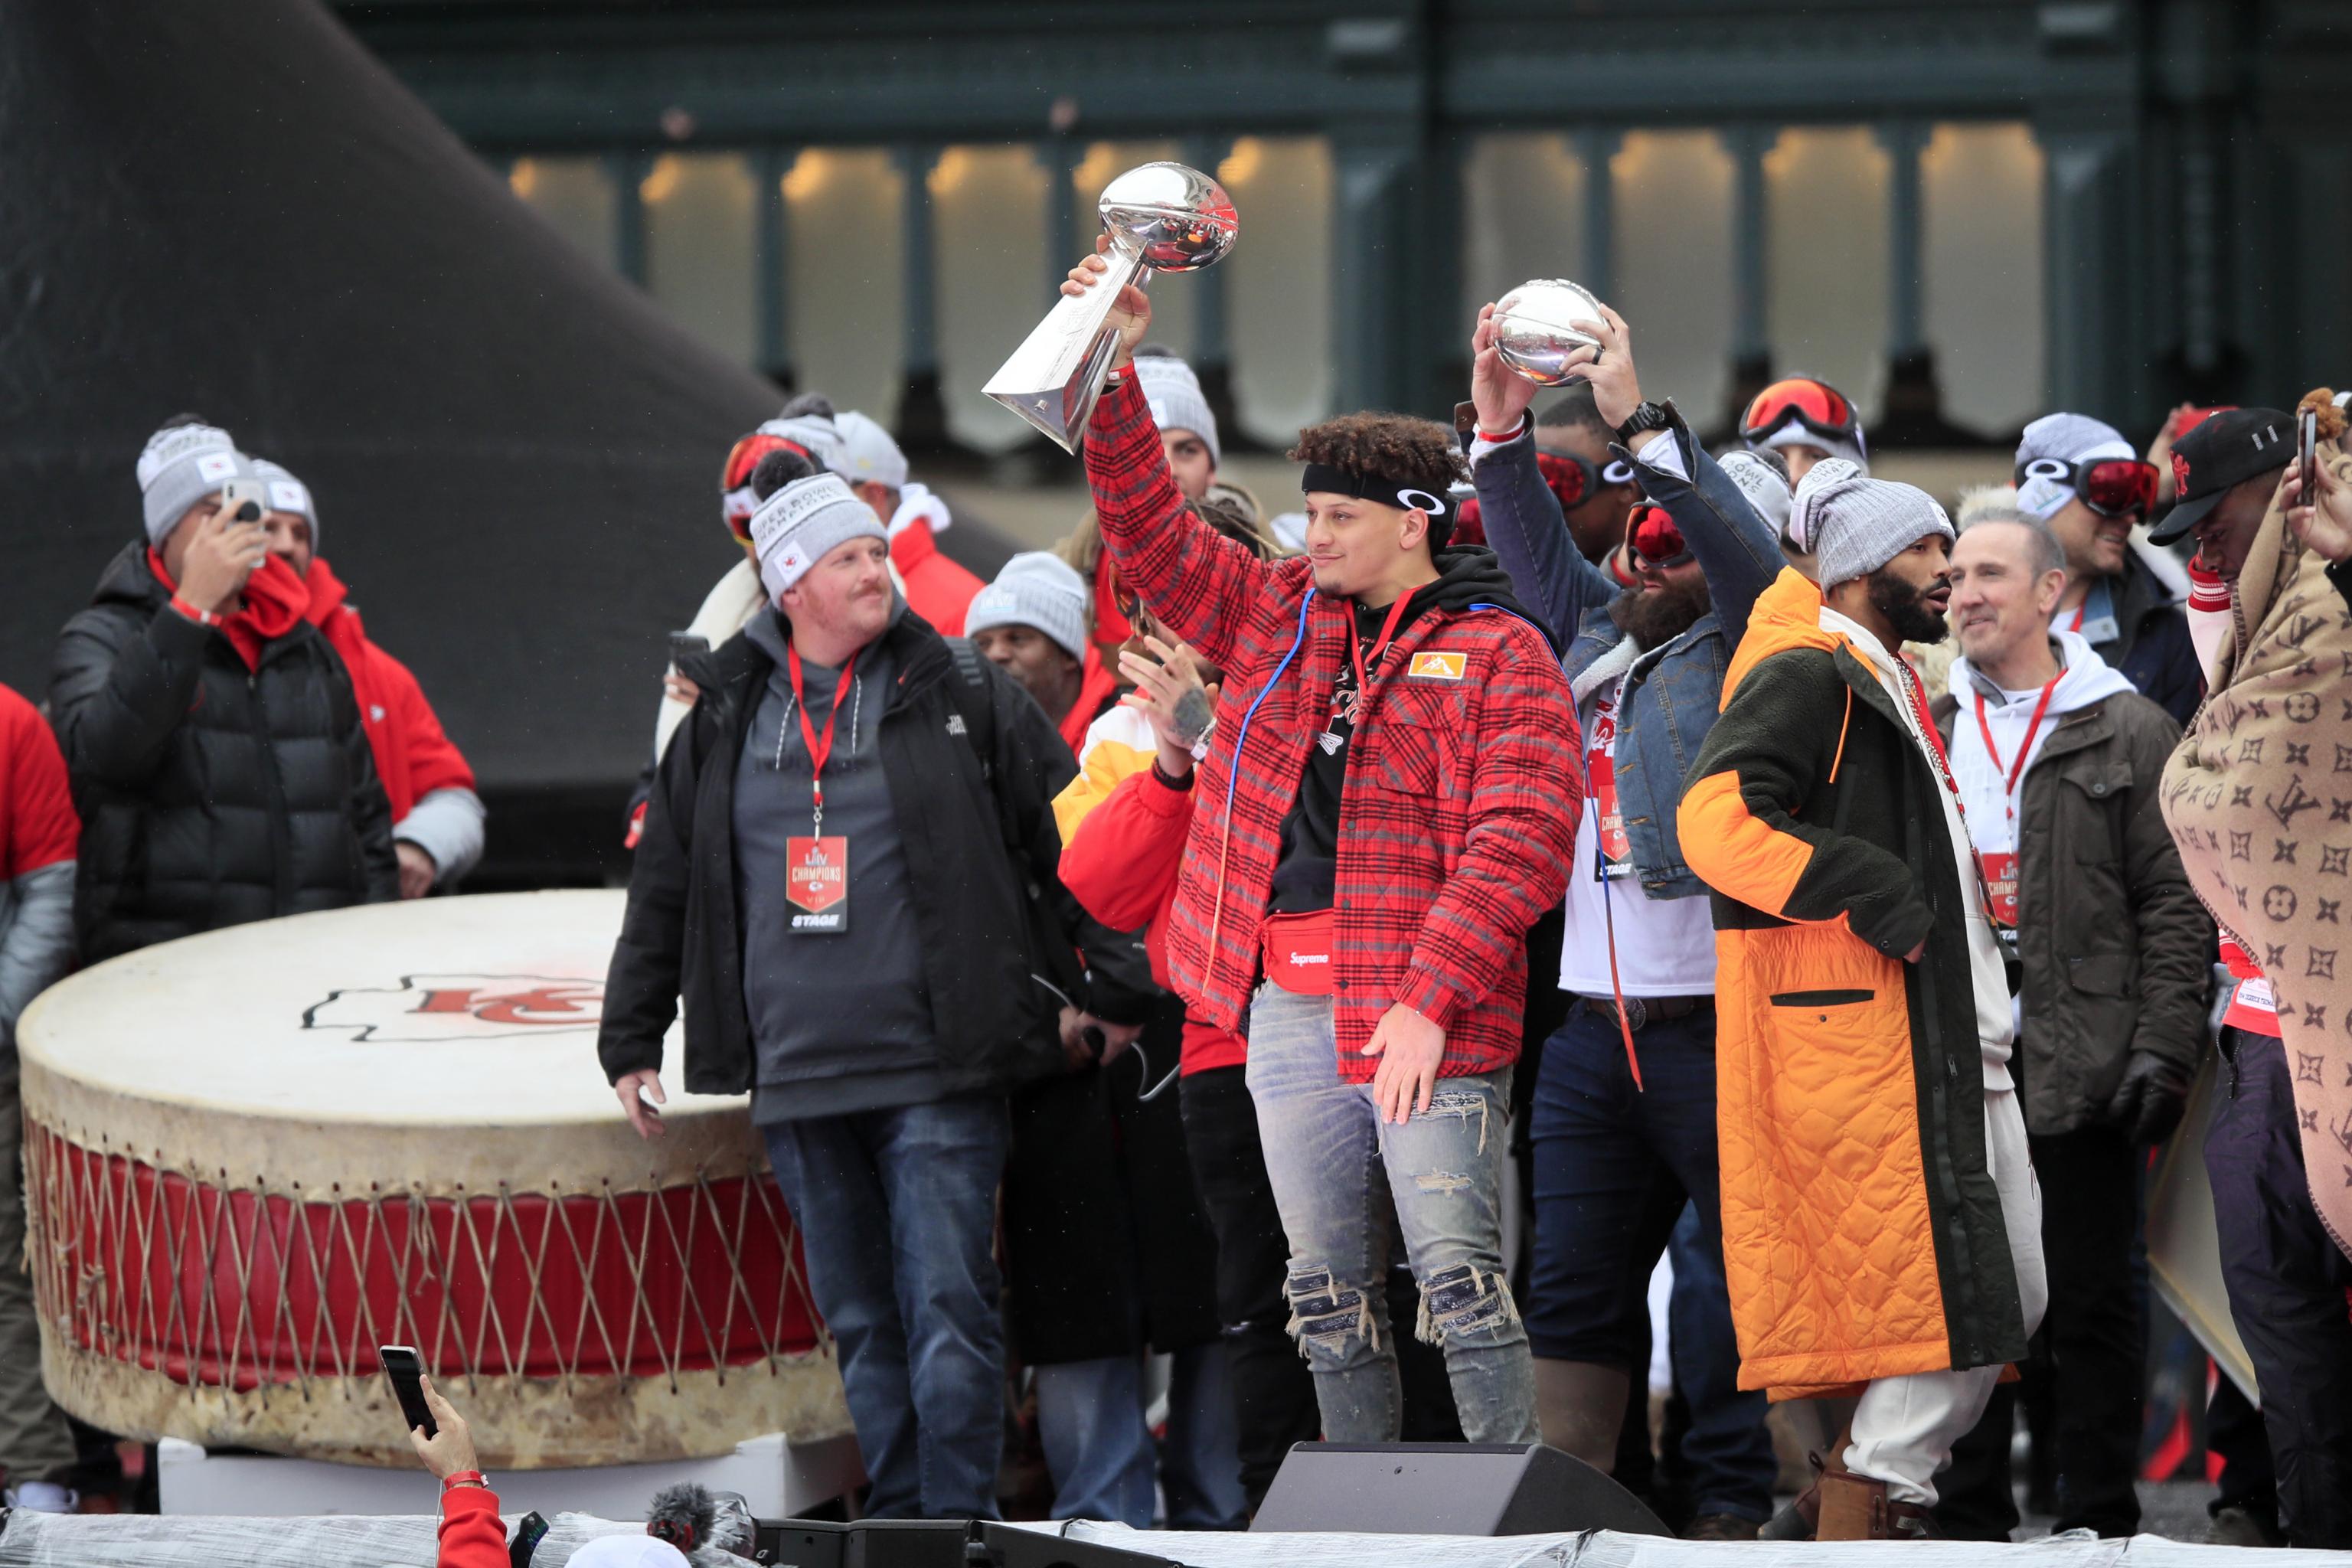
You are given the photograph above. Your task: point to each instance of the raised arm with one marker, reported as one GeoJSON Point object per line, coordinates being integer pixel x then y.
{"type": "Point", "coordinates": [1195, 580]}
{"type": "Point", "coordinates": [1732, 542]}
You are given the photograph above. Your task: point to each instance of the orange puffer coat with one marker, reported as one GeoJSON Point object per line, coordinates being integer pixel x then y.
{"type": "Point", "coordinates": [1863, 1236]}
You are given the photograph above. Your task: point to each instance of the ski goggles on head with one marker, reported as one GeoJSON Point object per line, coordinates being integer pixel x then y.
{"type": "Point", "coordinates": [1814, 405]}
{"type": "Point", "coordinates": [1653, 541]}
{"type": "Point", "coordinates": [1576, 481]}
{"type": "Point", "coordinates": [735, 479]}
{"type": "Point", "coordinates": [2111, 487]}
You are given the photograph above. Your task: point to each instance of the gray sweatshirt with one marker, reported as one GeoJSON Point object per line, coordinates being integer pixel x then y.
{"type": "Point", "coordinates": [842, 1023]}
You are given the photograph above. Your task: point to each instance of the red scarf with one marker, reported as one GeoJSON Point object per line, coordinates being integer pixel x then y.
{"type": "Point", "coordinates": [273, 605]}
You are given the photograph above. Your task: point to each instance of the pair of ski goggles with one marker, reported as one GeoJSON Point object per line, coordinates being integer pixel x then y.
{"type": "Point", "coordinates": [1818, 406]}
{"type": "Point", "coordinates": [2111, 486]}
{"type": "Point", "coordinates": [1653, 541]}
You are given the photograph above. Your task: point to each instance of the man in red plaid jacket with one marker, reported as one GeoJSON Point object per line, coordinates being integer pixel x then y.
{"type": "Point", "coordinates": [1387, 803]}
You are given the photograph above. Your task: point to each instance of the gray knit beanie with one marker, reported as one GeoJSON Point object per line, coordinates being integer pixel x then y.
{"type": "Point", "coordinates": [1851, 525]}
{"type": "Point", "coordinates": [182, 466]}
{"type": "Point", "coordinates": [805, 522]}
{"type": "Point", "coordinates": [289, 494]}
{"type": "Point", "coordinates": [1766, 490]}
{"type": "Point", "coordinates": [1034, 589]}
{"type": "Point", "coordinates": [1176, 399]}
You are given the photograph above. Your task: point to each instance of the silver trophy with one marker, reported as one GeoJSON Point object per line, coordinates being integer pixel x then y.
{"type": "Point", "coordinates": [1161, 217]}
{"type": "Point", "coordinates": [1532, 332]}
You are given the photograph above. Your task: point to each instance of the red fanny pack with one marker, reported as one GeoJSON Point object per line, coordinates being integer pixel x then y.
{"type": "Point", "coordinates": [1297, 952]}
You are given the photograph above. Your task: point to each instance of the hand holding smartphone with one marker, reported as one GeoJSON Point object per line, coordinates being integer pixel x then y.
{"type": "Point", "coordinates": [406, 1370]}
{"type": "Point", "coordinates": [2306, 436]}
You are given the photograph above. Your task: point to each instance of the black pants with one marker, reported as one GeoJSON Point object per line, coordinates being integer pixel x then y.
{"type": "Point", "coordinates": [1273, 1394]}
{"type": "Point", "coordinates": [2286, 1282]}
{"type": "Point", "coordinates": [2090, 1354]}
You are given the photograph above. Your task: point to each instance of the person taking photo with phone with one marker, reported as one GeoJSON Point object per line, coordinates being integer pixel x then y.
{"type": "Point", "coordinates": [1387, 812]}
{"type": "Point", "coordinates": [216, 749]}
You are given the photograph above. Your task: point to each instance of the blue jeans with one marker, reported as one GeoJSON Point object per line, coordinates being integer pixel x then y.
{"type": "Point", "coordinates": [1090, 1419]}
{"type": "Point", "coordinates": [1614, 1170]}
{"type": "Point", "coordinates": [1336, 1168]}
{"type": "Point", "coordinates": [896, 1212]}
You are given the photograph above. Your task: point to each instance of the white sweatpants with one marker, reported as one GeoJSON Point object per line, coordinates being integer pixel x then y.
{"type": "Point", "coordinates": [1903, 1427]}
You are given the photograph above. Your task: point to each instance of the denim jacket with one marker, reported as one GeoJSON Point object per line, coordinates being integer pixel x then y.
{"type": "Point", "coordinates": [1673, 692]}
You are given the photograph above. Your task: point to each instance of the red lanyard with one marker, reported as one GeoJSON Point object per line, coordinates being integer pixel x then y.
{"type": "Point", "coordinates": [1380, 646]}
{"type": "Point", "coordinates": [1918, 694]}
{"type": "Point", "coordinates": [2025, 747]}
{"type": "Point", "coordinates": [820, 747]}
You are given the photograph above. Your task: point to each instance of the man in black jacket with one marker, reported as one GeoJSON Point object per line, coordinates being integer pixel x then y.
{"type": "Point", "coordinates": [214, 747]}
{"type": "Point", "coordinates": [841, 867]}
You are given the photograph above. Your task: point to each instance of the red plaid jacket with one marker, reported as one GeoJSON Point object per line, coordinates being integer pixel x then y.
{"type": "Point", "coordinates": [1459, 812]}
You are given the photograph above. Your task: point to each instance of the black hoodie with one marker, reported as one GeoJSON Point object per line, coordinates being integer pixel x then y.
{"type": "Point", "coordinates": [1468, 576]}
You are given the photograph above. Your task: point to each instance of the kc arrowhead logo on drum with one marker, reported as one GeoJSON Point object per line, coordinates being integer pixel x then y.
{"type": "Point", "coordinates": [426, 1009]}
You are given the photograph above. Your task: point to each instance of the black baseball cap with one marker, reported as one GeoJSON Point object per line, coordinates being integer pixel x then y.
{"type": "Point", "coordinates": [2223, 451]}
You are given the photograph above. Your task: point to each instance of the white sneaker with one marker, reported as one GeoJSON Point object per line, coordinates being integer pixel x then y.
{"type": "Point", "coordinates": [43, 1497]}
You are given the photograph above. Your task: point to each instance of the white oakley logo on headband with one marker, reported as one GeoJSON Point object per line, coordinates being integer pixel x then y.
{"type": "Point", "coordinates": [2049, 469]}
{"type": "Point", "coordinates": [1618, 472]}
{"type": "Point", "coordinates": [1410, 499]}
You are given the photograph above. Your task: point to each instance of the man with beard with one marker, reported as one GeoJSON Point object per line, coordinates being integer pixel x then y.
{"type": "Point", "coordinates": [1882, 1231]}
{"type": "Point", "coordinates": [1624, 1129]}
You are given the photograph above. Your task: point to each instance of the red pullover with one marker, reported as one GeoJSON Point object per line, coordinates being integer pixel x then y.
{"type": "Point", "coordinates": [413, 754]}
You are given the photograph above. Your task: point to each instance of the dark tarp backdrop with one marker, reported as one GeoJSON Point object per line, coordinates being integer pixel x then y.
{"type": "Point", "coordinates": [235, 211]}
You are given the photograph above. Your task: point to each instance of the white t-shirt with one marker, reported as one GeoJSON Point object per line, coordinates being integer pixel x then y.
{"type": "Point", "coordinates": [1666, 947]}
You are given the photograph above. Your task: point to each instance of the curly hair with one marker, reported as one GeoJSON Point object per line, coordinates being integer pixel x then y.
{"type": "Point", "coordinates": [1419, 452]}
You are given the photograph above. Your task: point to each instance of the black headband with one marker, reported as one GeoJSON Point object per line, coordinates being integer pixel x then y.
{"type": "Point", "coordinates": [1369, 487]}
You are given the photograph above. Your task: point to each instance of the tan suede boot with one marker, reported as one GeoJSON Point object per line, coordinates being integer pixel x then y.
{"type": "Point", "coordinates": [1855, 1508]}
{"type": "Point", "coordinates": [1581, 1405]}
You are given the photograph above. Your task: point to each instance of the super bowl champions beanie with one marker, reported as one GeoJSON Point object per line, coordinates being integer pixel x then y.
{"type": "Point", "coordinates": [180, 466]}
{"type": "Point", "coordinates": [1177, 401]}
{"type": "Point", "coordinates": [2048, 452]}
{"type": "Point", "coordinates": [802, 523]}
{"type": "Point", "coordinates": [289, 494]}
{"type": "Point", "coordinates": [1034, 589]}
{"type": "Point", "coordinates": [1852, 525]}
{"type": "Point", "coordinates": [1766, 490]}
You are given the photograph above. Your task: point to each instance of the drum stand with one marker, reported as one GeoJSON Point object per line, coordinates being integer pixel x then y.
{"type": "Point", "coordinates": [778, 1477]}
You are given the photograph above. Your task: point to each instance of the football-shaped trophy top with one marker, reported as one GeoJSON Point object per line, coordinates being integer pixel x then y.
{"type": "Point", "coordinates": [1532, 332]}
{"type": "Point", "coordinates": [1178, 217]}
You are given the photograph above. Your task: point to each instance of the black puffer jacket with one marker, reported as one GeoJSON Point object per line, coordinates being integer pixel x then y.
{"type": "Point", "coordinates": [210, 796]}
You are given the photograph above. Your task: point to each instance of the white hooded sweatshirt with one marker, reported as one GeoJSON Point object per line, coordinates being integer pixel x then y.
{"type": "Point", "coordinates": [2008, 717]}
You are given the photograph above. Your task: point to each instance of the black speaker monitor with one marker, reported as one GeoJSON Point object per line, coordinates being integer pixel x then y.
{"type": "Point", "coordinates": [1446, 1488]}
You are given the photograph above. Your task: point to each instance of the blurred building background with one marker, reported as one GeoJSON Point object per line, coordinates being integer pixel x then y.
{"type": "Point", "coordinates": [1962, 213]}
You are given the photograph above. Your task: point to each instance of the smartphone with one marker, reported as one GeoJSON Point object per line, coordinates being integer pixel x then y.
{"type": "Point", "coordinates": [527, 1537]}
{"type": "Point", "coordinates": [407, 1374]}
{"type": "Point", "coordinates": [248, 499]}
{"type": "Point", "coordinates": [2306, 443]}
{"type": "Point", "coordinates": [681, 644]}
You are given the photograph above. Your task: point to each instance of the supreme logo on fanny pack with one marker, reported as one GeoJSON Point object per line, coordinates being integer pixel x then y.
{"type": "Point", "coordinates": [1297, 951]}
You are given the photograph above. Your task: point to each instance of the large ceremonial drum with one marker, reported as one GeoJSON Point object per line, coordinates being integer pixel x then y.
{"type": "Point", "coordinates": [255, 1155]}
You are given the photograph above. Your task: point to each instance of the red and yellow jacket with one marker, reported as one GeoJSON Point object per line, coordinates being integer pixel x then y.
{"type": "Point", "coordinates": [1458, 813]}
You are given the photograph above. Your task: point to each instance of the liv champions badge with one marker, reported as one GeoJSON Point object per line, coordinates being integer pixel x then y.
{"type": "Point", "coordinates": [818, 885]}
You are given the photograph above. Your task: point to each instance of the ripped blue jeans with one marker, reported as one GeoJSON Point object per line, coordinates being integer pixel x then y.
{"type": "Point", "coordinates": [1336, 1168]}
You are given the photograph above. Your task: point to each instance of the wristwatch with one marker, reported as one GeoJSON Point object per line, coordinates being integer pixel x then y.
{"type": "Point", "coordinates": [1647, 416]}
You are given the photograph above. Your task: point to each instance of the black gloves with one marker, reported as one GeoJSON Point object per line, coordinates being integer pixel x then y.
{"type": "Point", "coordinates": [2150, 1098]}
